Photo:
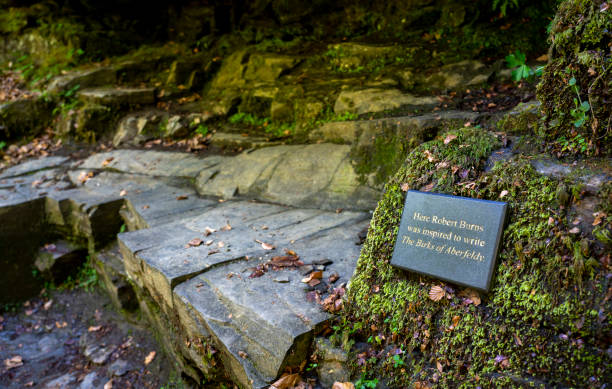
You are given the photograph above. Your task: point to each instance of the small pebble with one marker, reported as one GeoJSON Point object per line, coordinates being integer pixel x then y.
{"type": "Point", "coordinates": [282, 279]}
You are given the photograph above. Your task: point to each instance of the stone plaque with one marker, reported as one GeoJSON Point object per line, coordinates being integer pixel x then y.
{"type": "Point", "coordinates": [449, 237]}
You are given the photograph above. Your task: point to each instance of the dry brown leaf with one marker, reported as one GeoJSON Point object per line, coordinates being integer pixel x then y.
{"type": "Point", "coordinates": [94, 328]}
{"type": "Point", "coordinates": [13, 362]}
{"type": "Point", "coordinates": [436, 293]}
{"type": "Point", "coordinates": [208, 231]}
{"type": "Point", "coordinates": [107, 161]}
{"type": "Point", "coordinates": [221, 245]}
{"type": "Point", "coordinates": [123, 192]}
{"type": "Point", "coordinates": [46, 306]}
{"type": "Point", "coordinates": [449, 138]}
{"type": "Point", "coordinates": [243, 355]}
{"type": "Point", "coordinates": [343, 385]}
{"type": "Point", "coordinates": [404, 187]}
{"type": "Point", "coordinates": [265, 245]}
{"type": "Point", "coordinates": [182, 197]}
{"type": "Point", "coordinates": [456, 320]}
{"type": "Point", "coordinates": [84, 176]}
{"type": "Point", "coordinates": [286, 382]}
{"type": "Point", "coordinates": [209, 242]}
{"type": "Point", "coordinates": [315, 275]}
{"type": "Point", "coordinates": [150, 357]}
{"type": "Point", "coordinates": [194, 242]}
{"type": "Point", "coordinates": [439, 367]}
{"type": "Point", "coordinates": [226, 227]}
{"type": "Point", "coordinates": [574, 230]}
{"type": "Point", "coordinates": [503, 193]}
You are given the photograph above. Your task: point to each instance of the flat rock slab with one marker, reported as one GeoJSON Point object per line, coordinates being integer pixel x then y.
{"type": "Point", "coordinates": [257, 316]}
{"type": "Point", "coordinates": [151, 163]}
{"type": "Point", "coordinates": [33, 165]}
{"type": "Point", "coordinates": [195, 255]}
{"type": "Point", "coordinates": [320, 176]}
{"type": "Point", "coordinates": [378, 100]}
{"type": "Point", "coordinates": [118, 96]}
{"type": "Point", "coordinates": [234, 141]}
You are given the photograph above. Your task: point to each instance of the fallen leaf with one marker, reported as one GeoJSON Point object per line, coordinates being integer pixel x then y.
{"type": "Point", "coordinates": [574, 230]}
{"type": "Point", "coordinates": [404, 187]}
{"type": "Point", "coordinates": [108, 385]}
{"type": "Point", "coordinates": [429, 156]}
{"type": "Point", "coordinates": [194, 242]}
{"type": "Point", "coordinates": [428, 187]}
{"type": "Point", "coordinates": [551, 221]}
{"type": "Point", "coordinates": [13, 362]}
{"type": "Point", "coordinates": [436, 293]}
{"type": "Point", "coordinates": [123, 192]}
{"type": "Point", "coordinates": [221, 244]}
{"type": "Point", "coordinates": [286, 382]}
{"type": "Point", "coordinates": [518, 340]}
{"type": "Point", "coordinates": [313, 283]}
{"type": "Point", "coordinates": [182, 197]}
{"type": "Point", "coordinates": [456, 319]}
{"type": "Point", "coordinates": [439, 367]}
{"type": "Point", "coordinates": [208, 231]}
{"type": "Point", "coordinates": [226, 227]}
{"type": "Point", "coordinates": [94, 328]}
{"type": "Point", "coordinates": [449, 138]}
{"type": "Point", "coordinates": [503, 193]}
{"type": "Point", "coordinates": [107, 161]}
{"type": "Point", "coordinates": [209, 242]}
{"type": "Point", "coordinates": [46, 306]}
{"type": "Point", "coordinates": [150, 357]}
{"type": "Point", "coordinates": [315, 275]}
{"type": "Point", "coordinates": [343, 385]}
{"type": "Point", "coordinates": [265, 246]}
{"type": "Point", "coordinates": [84, 176]}
{"type": "Point", "coordinates": [243, 355]}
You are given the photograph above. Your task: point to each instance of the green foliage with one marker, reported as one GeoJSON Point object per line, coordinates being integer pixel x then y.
{"type": "Point", "coordinates": [364, 383]}
{"type": "Point", "coordinates": [2, 145]}
{"type": "Point", "coordinates": [274, 128]}
{"type": "Point", "coordinates": [502, 5]}
{"type": "Point", "coordinates": [12, 20]}
{"type": "Point", "coordinates": [202, 130]}
{"type": "Point", "coordinates": [574, 90]}
{"type": "Point", "coordinates": [546, 283]}
{"type": "Point", "coordinates": [579, 112]}
{"type": "Point", "coordinates": [520, 70]}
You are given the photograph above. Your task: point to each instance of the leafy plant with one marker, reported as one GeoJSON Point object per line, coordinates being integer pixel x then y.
{"type": "Point", "coordinates": [202, 130]}
{"type": "Point", "coordinates": [520, 70]}
{"type": "Point", "coordinates": [398, 361]}
{"type": "Point", "coordinates": [364, 383]}
{"type": "Point", "coordinates": [503, 5]}
{"type": "Point", "coordinates": [2, 145]}
{"type": "Point", "coordinates": [276, 129]}
{"type": "Point", "coordinates": [579, 113]}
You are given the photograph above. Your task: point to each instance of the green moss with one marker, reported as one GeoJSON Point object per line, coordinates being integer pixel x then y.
{"type": "Point", "coordinates": [12, 20]}
{"type": "Point", "coordinates": [579, 71]}
{"type": "Point", "coordinates": [544, 320]}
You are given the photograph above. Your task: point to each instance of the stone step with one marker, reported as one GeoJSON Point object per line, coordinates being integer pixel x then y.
{"type": "Point", "coordinates": [317, 175]}
{"type": "Point", "coordinates": [259, 325]}
{"type": "Point", "coordinates": [267, 321]}
{"type": "Point", "coordinates": [115, 96]}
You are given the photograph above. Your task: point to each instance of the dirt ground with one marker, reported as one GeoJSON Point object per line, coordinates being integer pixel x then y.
{"type": "Point", "coordinates": [75, 339]}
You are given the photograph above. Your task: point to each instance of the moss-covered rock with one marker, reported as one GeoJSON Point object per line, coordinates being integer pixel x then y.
{"type": "Point", "coordinates": [24, 117]}
{"type": "Point", "coordinates": [546, 319]}
{"type": "Point", "coordinates": [575, 87]}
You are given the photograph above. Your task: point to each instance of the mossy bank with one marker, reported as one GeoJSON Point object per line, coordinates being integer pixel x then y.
{"type": "Point", "coordinates": [547, 318]}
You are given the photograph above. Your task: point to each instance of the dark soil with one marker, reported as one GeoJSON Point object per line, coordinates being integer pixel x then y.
{"type": "Point", "coordinates": [74, 339]}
